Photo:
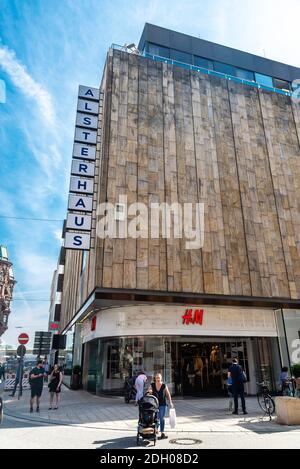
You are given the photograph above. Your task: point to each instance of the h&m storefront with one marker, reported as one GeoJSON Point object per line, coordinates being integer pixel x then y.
{"type": "Point", "coordinates": [191, 346]}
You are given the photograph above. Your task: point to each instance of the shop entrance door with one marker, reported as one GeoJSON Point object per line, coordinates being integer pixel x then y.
{"type": "Point", "coordinates": [205, 366]}
{"type": "Point", "coordinates": [201, 369]}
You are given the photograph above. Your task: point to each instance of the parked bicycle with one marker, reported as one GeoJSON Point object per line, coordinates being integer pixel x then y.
{"type": "Point", "coordinates": [265, 400]}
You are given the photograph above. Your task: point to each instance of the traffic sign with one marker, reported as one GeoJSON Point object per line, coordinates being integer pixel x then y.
{"type": "Point", "coordinates": [42, 343]}
{"type": "Point", "coordinates": [21, 350]}
{"type": "Point", "coordinates": [23, 338]}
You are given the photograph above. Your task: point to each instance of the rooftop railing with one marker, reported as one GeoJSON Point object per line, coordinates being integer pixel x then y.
{"type": "Point", "coordinates": [206, 71]}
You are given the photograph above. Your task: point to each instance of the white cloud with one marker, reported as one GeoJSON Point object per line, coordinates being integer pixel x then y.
{"type": "Point", "coordinates": [38, 269]}
{"type": "Point", "coordinates": [31, 316]}
{"type": "Point", "coordinates": [29, 87]}
{"type": "Point", "coordinates": [57, 235]}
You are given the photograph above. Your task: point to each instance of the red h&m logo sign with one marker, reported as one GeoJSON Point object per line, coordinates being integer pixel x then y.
{"type": "Point", "coordinates": [93, 323]}
{"type": "Point", "coordinates": [193, 316]}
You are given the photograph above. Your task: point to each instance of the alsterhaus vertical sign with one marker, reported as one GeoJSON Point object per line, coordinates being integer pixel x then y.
{"type": "Point", "coordinates": [80, 204]}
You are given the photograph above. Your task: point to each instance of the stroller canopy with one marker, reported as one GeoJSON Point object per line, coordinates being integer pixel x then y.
{"type": "Point", "coordinates": [149, 402]}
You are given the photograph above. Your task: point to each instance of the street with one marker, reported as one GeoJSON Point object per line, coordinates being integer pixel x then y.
{"type": "Point", "coordinates": [25, 434]}
{"type": "Point", "coordinates": [85, 421]}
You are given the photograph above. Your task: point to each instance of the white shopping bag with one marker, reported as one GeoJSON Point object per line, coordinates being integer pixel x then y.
{"type": "Point", "coordinates": [172, 417]}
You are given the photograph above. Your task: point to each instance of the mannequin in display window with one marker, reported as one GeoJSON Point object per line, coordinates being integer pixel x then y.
{"type": "Point", "coordinates": [207, 370]}
{"type": "Point", "coordinates": [198, 367]}
{"type": "Point", "coordinates": [127, 362]}
{"type": "Point", "coordinates": [214, 357]}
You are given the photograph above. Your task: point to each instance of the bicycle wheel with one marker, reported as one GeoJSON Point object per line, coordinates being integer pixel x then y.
{"type": "Point", "coordinates": [266, 403]}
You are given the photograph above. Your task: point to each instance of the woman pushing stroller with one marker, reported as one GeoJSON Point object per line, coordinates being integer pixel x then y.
{"type": "Point", "coordinates": [161, 392]}
{"type": "Point", "coordinates": [152, 408]}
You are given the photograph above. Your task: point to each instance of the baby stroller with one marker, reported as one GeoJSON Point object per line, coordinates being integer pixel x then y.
{"type": "Point", "coordinates": [129, 390]}
{"type": "Point", "coordinates": [148, 419]}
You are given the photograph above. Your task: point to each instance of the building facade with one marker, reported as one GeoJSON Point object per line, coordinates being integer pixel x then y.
{"type": "Point", "coordinates": [7, 283]}
{"type": "Point", "coordinates": [185, 121]}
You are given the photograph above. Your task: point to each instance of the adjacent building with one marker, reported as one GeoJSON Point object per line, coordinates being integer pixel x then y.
{"type": "Point", "coordinates": [184, 121]}
{"type": "Point", "coordinates": [7, 283]}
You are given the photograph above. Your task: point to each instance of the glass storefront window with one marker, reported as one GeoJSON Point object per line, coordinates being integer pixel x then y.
{"type": "Point", "coordinates": [191, 366]}
{"type": "Point", "coordinates": [281, 84]}
{"type": "Point", "coordinates": [155, 49]}
{"type": "Point", "coordinates": [180, 56]}
{"type": "Point", "coordinates": [244, 74]}
{"type": "Point", "coordinates": [224, 68]}
{"type": "Point", "coordinates": [263, 79]}
{"type": "Point", "coordinates": [291, 319]}
{"type": "Point", "coordinates": [202, 62]}
{"type": "Point", "coordinates": [65, 358]}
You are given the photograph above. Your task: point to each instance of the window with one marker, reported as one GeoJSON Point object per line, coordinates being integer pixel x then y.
{"type": "Point", "coordinates": [155, 49]}
{"type": "Point", "coordinates": [281, 84]}
{"type": "Point", "coordinates": [224, 68]}
{"type": "Point", "coordinates": [57, 311]}
{"type": "Point", "coordinates": [245, 74]}
{"type": "Point", "coordinates": [60, 282]}
{"type": "Point", "coordinates": [181, 56]}
{"type": "Point", "coordinates": [120, 212]}
{"type": "Point", "coordinates": [204, 63]}
{"type": "Point", "coordinates": [263, 79]}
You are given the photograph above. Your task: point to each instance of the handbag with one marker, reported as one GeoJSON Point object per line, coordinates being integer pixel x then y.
{"type": "Point", "coordinates": [172, 417]}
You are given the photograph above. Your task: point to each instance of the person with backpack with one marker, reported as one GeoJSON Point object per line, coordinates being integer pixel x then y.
{"type": "Point", "coordinates": [238, 378]}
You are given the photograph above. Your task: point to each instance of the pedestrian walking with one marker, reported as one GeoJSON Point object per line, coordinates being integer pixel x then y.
{"type": "Point", "coordinates": [139, 385]}
{"type": "Point", "coordinates": [284, 381]}
{"type": "Point", "coordinates": [46, 368]}
{"type": "Point", "coordinates": [161, 391]}
{"type": "Point", "coordinates": [55, 382]}
{"type": "Point", "coordinates": [17, 381]}
{"type": "Point", "coordinates": [2, 371]}
{"type": "Point", "coordinates": [238, 377]}
{"type": "Point", "coordinates": [36, 381]}
{"type": "Point", "coordinates": [230, 393]}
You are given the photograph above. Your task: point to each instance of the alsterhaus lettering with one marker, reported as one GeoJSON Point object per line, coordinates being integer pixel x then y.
{"type": "Point", "coordinates": [83, 151]}
{"type": "Point", "coordinates": [82, 168]}
{"type": "Point", "coordinates": [80, 204]}
{"type": "Point", "coordinates": [85, 186]}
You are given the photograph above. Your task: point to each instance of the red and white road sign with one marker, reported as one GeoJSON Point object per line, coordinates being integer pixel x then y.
{"type": "Point", "coordinates": [23, 338]}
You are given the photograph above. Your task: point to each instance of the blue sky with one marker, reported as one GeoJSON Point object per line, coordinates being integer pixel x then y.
{"type": "Point", "coordinates": [48, 48]}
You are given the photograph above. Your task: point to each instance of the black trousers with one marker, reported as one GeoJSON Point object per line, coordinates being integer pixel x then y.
{"type": "Point", "coordinates": [15, 387]}
{"type": "Point", "coordinates": [238, 390]}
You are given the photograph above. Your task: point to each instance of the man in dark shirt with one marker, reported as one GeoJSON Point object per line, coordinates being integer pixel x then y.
{"type": "Point", "coordinates": [36, 381]}
{"type": "Point", "coordinates": [238, 377]}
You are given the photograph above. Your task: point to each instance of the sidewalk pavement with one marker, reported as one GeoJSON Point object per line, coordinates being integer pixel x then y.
{"type": "Point", "coordinates": [80, 408]}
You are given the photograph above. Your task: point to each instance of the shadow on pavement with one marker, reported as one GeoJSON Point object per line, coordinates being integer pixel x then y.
{"type": "Point", "coordinates": [121, 443]}
{"type": "Point", "coordinates": [265, 426]}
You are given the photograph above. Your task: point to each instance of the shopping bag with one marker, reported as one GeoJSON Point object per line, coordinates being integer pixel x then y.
{"type": "Point", "coordinates": [172, 417]}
